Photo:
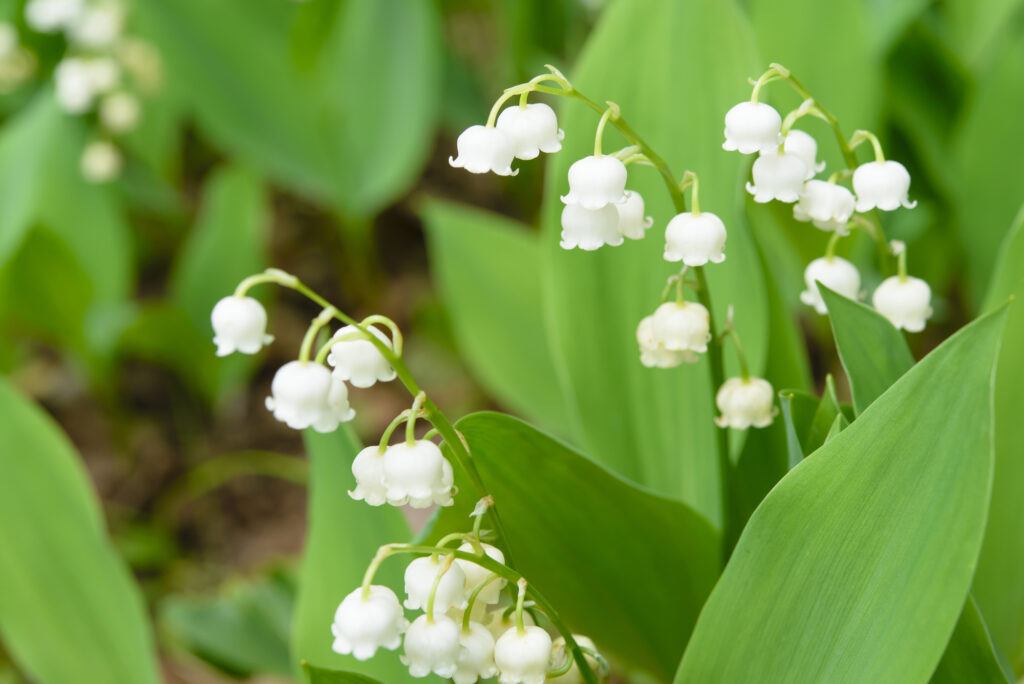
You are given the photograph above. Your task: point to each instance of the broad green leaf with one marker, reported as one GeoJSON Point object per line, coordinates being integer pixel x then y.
{"type": "Point", "coordinates": [488, 271]}
{"type": "Point", "coordinates": [317, 675]}
{"type": "Point", "coordinates": [342, 538]}
{"type": "Point", "coordinates": [69, 610]}
{"type": "Point", "coordinates": [873, 352]}
{"type": "Point", "coordinates": [987, 197]}
{"type": "Point", "coordinates": [857, 564]}
{"type": "Point", "coordinates": [596, 546]}
{"type": "Point", "coordinates": [970, 655]}
{"type": "Point", "coordinates": [23, 163]}
{"type": "Point", "coordinates": [997, 584]}
{"type": "Point", "coordinates": [243, 630]}
{"type": "Point", "coordinates": [653, 426]}
{"type": "Point", "coordinates": [226, 245]}
{"type": "Point", "coordinates": [974, 26]}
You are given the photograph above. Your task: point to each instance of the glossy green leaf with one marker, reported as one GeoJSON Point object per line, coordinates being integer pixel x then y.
{"type": "Point", "coordinates": [69, 610]}
{"type": "Point", "coordinates": [488, 270]}
{"type": "Point", "coordinates": [317, 675]}
{"type": "Point", "coordinates": [653, 426]}
{"type": "Point", "coordinates": [856, 565]}
{"type": "Point", "coordinates": [997, 584]}
{"type": "Point", "coordinates": [342, 538]}
{"type": "Point", "coordinates": [873, 352]}
{"type": "Point", "coordinates": [596, 546]}
{"type": "Point", "coordinates": [243, 630]}
{"type": "Point", "coordinates": [970, 655]}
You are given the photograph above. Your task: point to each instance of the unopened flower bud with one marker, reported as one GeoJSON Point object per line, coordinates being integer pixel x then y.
{"type": "Point", "coordinates": [362, 624]}
{"type": "Point", "coordinates": [533, 129]}
{"type": "Point", "coordinates": [751, 127]}
{"type": "Point", "coordinates": [239, 324]}
{"type": "Point", "coordinates": [745, 403]}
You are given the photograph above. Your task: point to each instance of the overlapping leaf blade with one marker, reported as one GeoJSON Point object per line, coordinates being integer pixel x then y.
{"type": "Point", "coordinates": [855, 567]}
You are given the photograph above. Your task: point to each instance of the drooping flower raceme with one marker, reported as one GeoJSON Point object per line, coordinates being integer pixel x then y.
{"type": "Point", "coordinates": [906, 302]}
{"type": "Point", "coordinates": [356, 360]}
{"type": "Point", "coordinates": [362, 624]}
{"type": "Point", "coordinates": [632, 222]}
{"type": "Point", "coordinates": [695, 239]}
{"type": "Point", "coordinates": [418, 475]}
{"type": "Point", "coordinates": [483, 149]}
{"type": "Point", "coordinates": [558, 654]}
{"type": "Point", "coordinates": [883, 185]}
{"type": "Point", "coordinates": [751, 127]}
{"type": "Point", "coordinates": [475, 573]}
{"type": "Point", "coordinates": [239, 324]}
{"type": "Point", "coordinates": [304, 394]}
{"type": "Point", "coordinates": [805, 147]}
{"type": "Point", "coordinates": [835, 273]}
{"type": "Point", "coordinates": [523, 657]}
{"type": "Point", "coordinates": [432, 645]}
{"type": "Point", "coordinates": [590, 229]}
{"type": "Point", "coordinates": [596, 181]}
{"type": "Point", "coordinates": [476, 656]}
{"type": "Point", "coordinates": [779, 176]}
{"type": "Point", "coordinates": [682, 327]}
{"type": "Point", "coordinates": [533, 129]}
{"type": "Point", "coordinates": [827, 205]}
{"type": "Point", "coordinates": [368, 470]}
{"type": "Point", "coordinates": [420, 576]}
{"type": "Point", "coordinates": [745, 403]}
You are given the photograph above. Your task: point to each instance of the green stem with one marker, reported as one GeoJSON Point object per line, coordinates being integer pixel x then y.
{"type": "Point", "coordinates": [385, 438]}
{"type": "Point", "coordinates": [433, 588]}
{"type": "Point", "coordinates": [860, 136]}
{"type": "Point", "coordinates": [472, 599]}
{"type": "Point", "coordinates": [830, 248]}
{"type": "Point", "coordinates": [740, 354]}
{"type": "Point", "coordinates": [314, 329]}
{"type": "Point", "coordinates": [691, 180]}
{"type": "Point", "coordinates": [520, 600]}
{"type": "Point", "coordinates": [610, 113]}
{"type": "Point", "coordinates": [410, 425]}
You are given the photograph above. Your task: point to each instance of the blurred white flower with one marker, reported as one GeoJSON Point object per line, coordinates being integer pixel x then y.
{"type": "Point", "coordinates": [533, 129]}
{"type": "Point", "coordinates": [141, 61]}
{"type": "Point", "coordinates": [101, 161]}
{"type": "Point", "coordinates": [883, 185]}
{"type": "Point", "coordinates": [695, 239]}
{"type": "Point", "coordinates": [745, 403]}
{"type": "Point", "coordinates": [835, 273]}
{"type": "Point", "coordinates": [51, 16]}
{"type": "Point", "coordinates": [682, 326]}
{"type": "Point", "coordinates": [906, 302]}
{"type": "Point", "coordinates": [79, 81]}
{"type": "Point", "coordinates": [97, 26]}
{"type": "Point", "coordinates": [239, 324]}
{"type": "Point", "coordinates": [119, 112]}
{"type": "Point", "coordinates": [752, 127]}
{"type": "Point", "coordinates": [362, 624]}
{"type": "Point", "coordinates": [595, 182]}
{"type": "Point", "coordinates": [482, 149]}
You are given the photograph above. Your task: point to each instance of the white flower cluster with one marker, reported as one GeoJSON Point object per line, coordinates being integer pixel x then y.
{"type": "Point", "coordinates": [784, 171]}
{"type": "Point", "coordinates": [443, 640]}
{"type": "Point", "coordinates": [520, 132]}
{"type": "Point", "coordinates": [102, 71]}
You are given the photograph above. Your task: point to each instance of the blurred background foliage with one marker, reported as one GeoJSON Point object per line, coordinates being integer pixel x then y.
{"type": "Point", "coordinates": [313, 136]}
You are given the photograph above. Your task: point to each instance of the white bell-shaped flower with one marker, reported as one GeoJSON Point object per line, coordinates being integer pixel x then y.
{"type": "Point", "coordinates": [432, 646]}
{"type": "Point", "coordinates": [828, 205]}
{"type": "Point", "coordinates": [475, 574]}
{"type": "Point", "coordinates": [883, 185]}
{"type": "Point", "coordinates": [558, 655]}
{"type": "Point", "coordinates": [523, 657]}
{"type": "Point", "coordinates": [745, 403]}
{"type": "Point", "coordinates": [239, 324]}
{"type": "Point", "coordinates": [298, 393]}
{"type": "Point", "coordinates": [596, 181]}
{"type": "Point", "coordinates": [357, 360]}
{"type": "Point", "coordinates": [533, 129]}
{"type": "Point", "coordinates": [778, 176]}
{"type": "Point", "coordinates": [336, 409]}
{"type": "Point", "coordinates": [590, 229]}
{"type": "Point", "coordinates": [368, 470]}
{"type": "Point", "coordinates": [50, 16]}
{"type": "Point", "coordinates": [476, 657]}
{"type": "Point", "coordinates": [835, 273]}
{"type": "Point", "coordinates": [98, 26]}
{"type": "Point", "coordinates": [498, 622]}
{"type": "Point", "coordinates": [682, 326]}
{"type": "Point", "coordinates": [805, 147]}
{"type": "Point", "coordinates": [420, 576]}
{"type": "Point", "coordinates": [695, 239]}
{"type": "Point", "coordinates": [751, 127]}
{"type": "Point", "coordinates": [906, 302]}
{"type": "Point", "coordinates": [362, 624]}
{"type": "Point", "coordinates": [417, 474]}
{"type": "Point", "coordinates": [632, 222]}
{"type": "Point", "coordinates": [101, 161]}
{"type": "Point", "coordinates": [119, 112]}
{"type": "Point", "coordinates": [483, 149]}
{"type": "Point", "coordinates": [653, 353]}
